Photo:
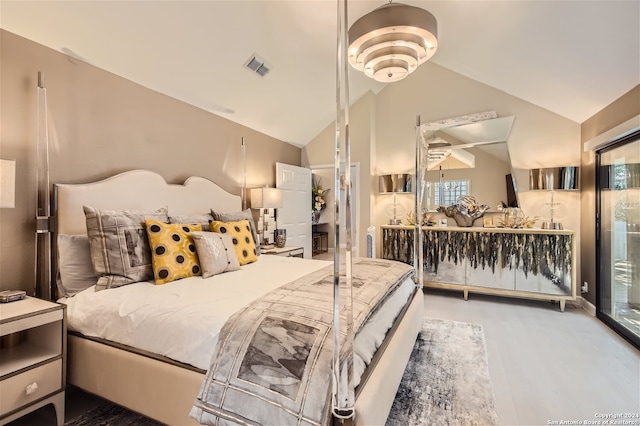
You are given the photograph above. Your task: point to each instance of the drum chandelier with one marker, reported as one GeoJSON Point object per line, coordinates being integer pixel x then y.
{"type": "Point", "coordinates": [390, 42]}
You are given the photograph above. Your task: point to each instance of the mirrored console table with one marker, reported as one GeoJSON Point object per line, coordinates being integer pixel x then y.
{"type": "Point", "coordinates": [527, 263]}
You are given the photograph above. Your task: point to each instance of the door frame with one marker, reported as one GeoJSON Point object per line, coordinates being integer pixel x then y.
{"type": "Point", "coordinates": [356, 190]}
{"type": "Point", "coordinates": [605, 318]}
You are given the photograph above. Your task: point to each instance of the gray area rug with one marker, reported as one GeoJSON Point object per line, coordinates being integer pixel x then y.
{"type": "Point", "coordinates": [109, 414]}
{"type": "Point", "coordinates": [445, 383]}
{"type": "Point", "coordinates": [447, 379]}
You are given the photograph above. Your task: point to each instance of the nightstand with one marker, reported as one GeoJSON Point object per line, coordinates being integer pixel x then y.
{"type": "Point", "coordinates": [320, 242]}
{"type": "Point", "coordinates": [285, 251]}
{"type": "Point", "coordinates": [33, 340]}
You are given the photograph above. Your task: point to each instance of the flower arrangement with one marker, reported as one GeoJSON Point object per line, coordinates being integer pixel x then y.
{"type": "Point", "coordinates": [318, 202]}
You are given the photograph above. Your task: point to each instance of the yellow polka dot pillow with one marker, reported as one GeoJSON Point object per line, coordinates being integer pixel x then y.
{"type": "Point", "coordinates": [240, 233]}
{"type": "Point", "coordinates": [173, 250]}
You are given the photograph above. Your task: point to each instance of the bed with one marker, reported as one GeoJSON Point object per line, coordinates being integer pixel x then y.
{"type": "Point", "coordinates": [141, 358]}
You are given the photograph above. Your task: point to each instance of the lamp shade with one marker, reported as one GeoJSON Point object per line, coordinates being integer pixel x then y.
{"type": "Point", "coordinates": [390, 42]}
{"type": "Point", "coordinates": [7, 183]}
{"type": "Point", "coordinates": [554, 178]}
{"type": "Point", "coordinates": [395, 183]}
{"type": "Point", "coordinates": [266, 198]}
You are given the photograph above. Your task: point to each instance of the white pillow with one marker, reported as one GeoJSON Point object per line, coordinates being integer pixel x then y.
{"type": "Point", "coordinates": [215, 252]}
{"type": "Point", "coordinates": [74, 265]}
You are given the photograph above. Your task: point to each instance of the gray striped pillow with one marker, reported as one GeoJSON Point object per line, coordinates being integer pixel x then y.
{"type": "Point", "coordinates": [120, 250]}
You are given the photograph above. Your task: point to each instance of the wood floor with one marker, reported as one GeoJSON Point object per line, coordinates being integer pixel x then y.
{"type": "Point", "coordinates": [546, 366]}
{"type": "Point", "coordinates": [627, 314]}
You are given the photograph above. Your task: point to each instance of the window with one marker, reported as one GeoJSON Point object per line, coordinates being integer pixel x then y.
{"type": "Point", "coordinates": [447, 192]}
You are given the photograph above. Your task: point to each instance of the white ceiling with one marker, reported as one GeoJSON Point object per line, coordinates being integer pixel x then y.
{"type": "Point", "coordinates": [570, 57]}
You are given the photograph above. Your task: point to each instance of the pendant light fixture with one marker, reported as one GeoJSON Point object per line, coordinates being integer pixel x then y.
{"type": "Point", "coordinates": [390, 42]}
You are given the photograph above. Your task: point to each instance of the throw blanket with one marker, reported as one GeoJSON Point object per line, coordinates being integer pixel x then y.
{"type": "Point", "coordinates": [273, 359]}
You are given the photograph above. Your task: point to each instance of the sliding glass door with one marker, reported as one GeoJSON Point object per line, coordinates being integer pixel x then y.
{"type": "Point", "coordinates": [618, 239]}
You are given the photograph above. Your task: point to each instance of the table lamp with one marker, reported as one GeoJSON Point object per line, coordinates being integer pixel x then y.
{"type": "Point", "coordinates": [264, 199]}
{"type": "Point", "coordinates": [395, 184]}
{"type": "Point", "coordinates": [554, 179]}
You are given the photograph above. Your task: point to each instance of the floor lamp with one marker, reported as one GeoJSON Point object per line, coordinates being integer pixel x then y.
{"type": "Point", "coordinates": [265, 199]}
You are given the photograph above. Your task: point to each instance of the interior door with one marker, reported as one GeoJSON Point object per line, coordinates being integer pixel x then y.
{"type": "Point", "coordinates": [295, 213]}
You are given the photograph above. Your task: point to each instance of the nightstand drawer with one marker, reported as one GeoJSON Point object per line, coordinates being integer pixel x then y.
{"type": "Point", "coordinates": [19, 390]}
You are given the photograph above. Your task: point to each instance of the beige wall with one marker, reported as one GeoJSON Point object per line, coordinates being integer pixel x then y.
{"type": "Point", "coordinates": [321, 151]}
{"type": "Point", "coordinates": [618, 112]}
{"type": "Point", "coordinates": [101, 124]}
{"type": "Point", "coordinates": [539, 138]}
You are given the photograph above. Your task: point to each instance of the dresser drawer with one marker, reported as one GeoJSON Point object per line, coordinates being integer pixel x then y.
{"type": "Point", "coordinates": [19, 390]}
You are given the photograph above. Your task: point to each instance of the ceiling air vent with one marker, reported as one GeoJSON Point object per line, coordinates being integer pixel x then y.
{"type": "Point", "coordinates": [257, 65]}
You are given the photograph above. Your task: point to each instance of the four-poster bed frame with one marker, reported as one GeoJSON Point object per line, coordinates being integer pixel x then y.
{"type": "Point", "coordinates": [164, 389]}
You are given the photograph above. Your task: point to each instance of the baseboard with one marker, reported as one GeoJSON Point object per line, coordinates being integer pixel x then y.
{"type": "Point", "coordinates": [587, 306]}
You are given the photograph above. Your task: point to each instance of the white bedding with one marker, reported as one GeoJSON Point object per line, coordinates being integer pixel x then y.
{"type": "Point", "coordinates": [182, 319]}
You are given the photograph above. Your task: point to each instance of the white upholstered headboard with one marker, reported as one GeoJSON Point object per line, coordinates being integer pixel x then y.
{"type": "Point", "coordinates": [138, 190]}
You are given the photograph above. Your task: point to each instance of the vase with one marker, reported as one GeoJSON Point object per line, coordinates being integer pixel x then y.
{"type": "Point", "coordinates": [513, 217]}
{"type": "Point", "coordinates": [315, 216]}
{"type": "Point", "coordinates": [280, 237]}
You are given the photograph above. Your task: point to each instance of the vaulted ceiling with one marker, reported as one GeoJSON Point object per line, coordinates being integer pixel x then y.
{"type": "Point", "coordinates": [570, 57]}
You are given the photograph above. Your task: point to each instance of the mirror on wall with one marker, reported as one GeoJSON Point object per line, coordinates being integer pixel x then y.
{"type": "Point", "coordinates": [470, 159]}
